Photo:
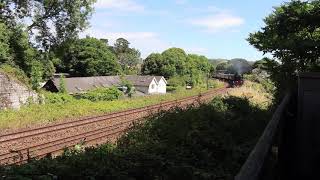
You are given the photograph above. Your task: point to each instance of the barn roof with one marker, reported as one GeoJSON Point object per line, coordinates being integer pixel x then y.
{"type": "Point", "coordinates": [81, 84]}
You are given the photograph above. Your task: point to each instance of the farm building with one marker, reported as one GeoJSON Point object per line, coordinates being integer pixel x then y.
{"type": "Point", "coordinates": [74, 85]}
{"type": "Point", "coordinates": [13, 93]}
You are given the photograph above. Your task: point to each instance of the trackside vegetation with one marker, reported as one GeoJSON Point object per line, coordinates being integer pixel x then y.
{"type": "Point", "coordinates": [60, 106]}
{"type": "Point", "coordinates": [206, 142]}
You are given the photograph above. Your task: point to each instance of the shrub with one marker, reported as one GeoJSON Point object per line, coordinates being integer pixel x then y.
{"type": "Point", "coordinates": [57, 98]}
{"type": "Point", "coordinates": [177, 81]}
{"type": "Point", "coordinates": [101, 94]}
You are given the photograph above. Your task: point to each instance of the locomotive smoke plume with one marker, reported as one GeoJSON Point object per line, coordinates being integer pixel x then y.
{"type": "Point", "coordinates": [241, 67]}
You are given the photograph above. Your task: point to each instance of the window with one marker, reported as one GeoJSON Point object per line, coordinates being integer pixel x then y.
{"type": "Point", "coordinates": [152, 86]}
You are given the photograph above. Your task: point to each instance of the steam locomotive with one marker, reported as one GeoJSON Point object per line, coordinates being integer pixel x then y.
{"type": "Point", "coordinates": [234, 80]}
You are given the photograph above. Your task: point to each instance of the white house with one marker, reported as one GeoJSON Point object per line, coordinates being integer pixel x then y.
{"type": "Point", "coordinates": [162, 84]}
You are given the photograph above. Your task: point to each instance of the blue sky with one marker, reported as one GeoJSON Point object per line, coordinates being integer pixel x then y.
{"type": "Point", "coordinates": [214, 28]}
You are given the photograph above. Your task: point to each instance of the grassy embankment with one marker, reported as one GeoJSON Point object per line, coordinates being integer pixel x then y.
{"type": "Point", "coordinates": [207, 142]}
{"type": "Point", "coordinates": [75, 108]}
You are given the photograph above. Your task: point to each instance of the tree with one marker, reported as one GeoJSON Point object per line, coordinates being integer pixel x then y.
{"type": "Point", "coordinates": [127, 57]}
{"type": "Point", "coordinates": [222, 66]}
{"type": "Point", "coordinates": [68, 18]}
{"type": "Point", "coordinates": [121, 46]}
{"type": "Point", "coordinates": [89, 57]}
{"type": "Point", "coordinates": [152, 64]}
{"type": "Point", "coordinates": [5, 34]}
{"type": "Point", "coordinates": [36, 75]}
{"type": "Point", "coordinates": [292, 36]}
{"type": "Point", "coordinates": [174, 62]}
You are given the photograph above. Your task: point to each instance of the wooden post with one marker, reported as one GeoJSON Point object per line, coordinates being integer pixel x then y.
{"type": "Point", "coordinates": [308, 127]}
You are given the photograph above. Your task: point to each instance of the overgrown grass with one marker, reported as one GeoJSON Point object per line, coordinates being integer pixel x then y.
{"type": "Point", "coordinates": [256, 93]}
{"type": "Point", "coordinates": [207, 142]}
{"type": "Point", "coordinates": [73, 108]}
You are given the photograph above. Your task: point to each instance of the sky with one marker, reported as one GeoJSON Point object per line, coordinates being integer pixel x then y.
{"type": "Point", "coordinates": [214, 28]}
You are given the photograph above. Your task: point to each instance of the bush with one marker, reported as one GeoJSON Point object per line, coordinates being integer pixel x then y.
{"type": "Point", "coordinates": [57, 98]}
{"type": "Point", "coordinates": [101, 94]}
{"type": "Point", "coordinates": [177, 81]}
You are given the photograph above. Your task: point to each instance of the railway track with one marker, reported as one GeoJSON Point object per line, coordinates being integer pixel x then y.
{"type": "Point", "coordinates": [18, 147]}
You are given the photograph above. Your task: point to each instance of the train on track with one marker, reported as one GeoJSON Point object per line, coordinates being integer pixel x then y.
{"type": "Point", "coordinates": [234, 80]}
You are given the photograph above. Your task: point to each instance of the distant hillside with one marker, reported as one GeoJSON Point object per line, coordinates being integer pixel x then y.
{"type": "Point", "coordinates": [215, 62]}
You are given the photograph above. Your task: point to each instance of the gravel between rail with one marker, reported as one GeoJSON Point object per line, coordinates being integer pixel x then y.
{"type": "Point", "coordinates": [19, 146]}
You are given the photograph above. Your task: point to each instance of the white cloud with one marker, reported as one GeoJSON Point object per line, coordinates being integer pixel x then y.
{"type": "Point", "coordinates": [122, 5]}
{"type": "Point", "coordinates": [217, 22]}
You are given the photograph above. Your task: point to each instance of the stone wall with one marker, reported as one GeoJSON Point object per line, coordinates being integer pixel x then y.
{"type": "Point", "coordinates": [13, 93]}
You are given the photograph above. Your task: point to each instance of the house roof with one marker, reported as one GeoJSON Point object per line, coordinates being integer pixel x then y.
{"type": "Point", "coordinates": [158, 78]}
{"type": "Point", "coordinates": [140, 80]}
{"type": "Point", "coordinates": [80, 84]}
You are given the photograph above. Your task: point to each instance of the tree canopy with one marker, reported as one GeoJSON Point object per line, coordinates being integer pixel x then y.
{"type": "Point", "coordinates": [175, 62]}
{"type": "Point", "coordinates": [52, 21]}
{"type": "Point", "coordinates": [292, 35]}
{"type": "Point", "coordinates": [89, 57]}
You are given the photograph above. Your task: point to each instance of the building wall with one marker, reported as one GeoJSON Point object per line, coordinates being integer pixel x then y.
{"type": "Point", "coordinates": [13, 94]}
{"type": "Point", "coordinates": [162, 86]}
{"type": "Point", "coordinates": [153, 87]}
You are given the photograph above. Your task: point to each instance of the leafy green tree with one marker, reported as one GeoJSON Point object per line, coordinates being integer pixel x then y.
{"type": "Point", "coordinates": [292, 36]}
{"type": "Point", "coordinates": [5, 34]}
{"type": "Point", "coordinates": [90, 57]}
{"type": "Point", "coordinates": [121, 46]}
{"type": "Point", "coordinates": [67, 17]}
{"type": "Point", "coordinates": [152, 64]}
{"type": "Point", "coordinates": [260, 64]}
{"type": "Point", "coordinates": [174, 62]}
{"type": "Point", "coordinates": [36, 75]}
{"type": "Point", "coordinates": [16, 51]}
{"type": "Point", "coordinates": [127, 57]}
{"type": "Point", "coordinates": [222, 66]}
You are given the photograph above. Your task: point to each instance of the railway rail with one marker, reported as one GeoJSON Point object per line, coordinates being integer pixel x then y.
{"type": "Point", "coordinates": [19, 147]}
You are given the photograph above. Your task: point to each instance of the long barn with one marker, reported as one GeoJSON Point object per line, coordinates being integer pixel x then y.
{"type": "Point", "coordinates": [74, 85]}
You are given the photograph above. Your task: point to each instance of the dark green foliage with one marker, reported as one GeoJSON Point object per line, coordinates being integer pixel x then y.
{"type": "Point", "coordinates": [209, 142]}
{"type": "Point", "coordinates": [101, 94]}
{"type": "Point", "coordinates": [152, 64]}
{"type": "Point", "coordinates": [127, 57]}
{"type": "Point", "coordinates": [68, 18]}
{"type": "Point", "coordinates": [174, 62]}
{"type": "Point", "coordinates": [88, 57]}
{"type": "Point", "coordinates": [291, 34]}
{"type": "Point", "coordinates": [36, 75]}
